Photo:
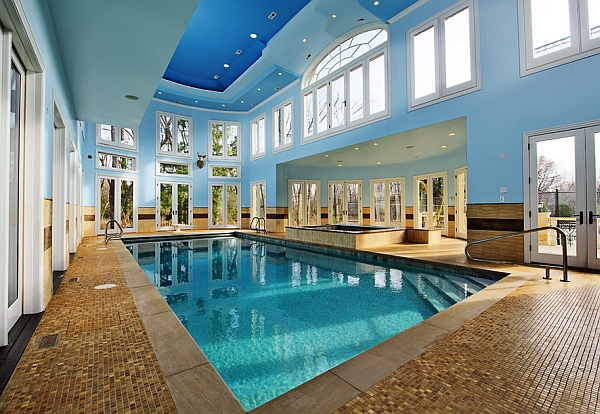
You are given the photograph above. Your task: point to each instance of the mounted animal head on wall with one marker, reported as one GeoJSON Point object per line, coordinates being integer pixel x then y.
{"type": "Point", "coordinates": [200, 162]}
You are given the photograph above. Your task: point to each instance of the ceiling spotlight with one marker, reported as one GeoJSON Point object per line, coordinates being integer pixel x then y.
{"type": "Point", "coordinates": [277, 88]}
{"type": "Point", "coordinates": [339, 165]}
{"type": "Point", "coordinates": [222, 104]}
{"type": "Point", "coordinates": [216, 76]}
{"type": "Point", "coordinates": [356, 148]}
{"type": "Point", "coordinates": [238, 52]}
{"type": "Point", "coordinates": [444, 146]}
{"type": "Point", "coordinates": [375, 3]}
{"type": "Point", "coordinates": [272, 15]}
{"type": "Point", "coordinates": [225, 65]}
{"type": "Point", "coordinates": [253, 104]}
{"type": "Point", "coordinates": [326, 155]}
{"type": "Point", "coordinates": [131, 97]}
{"type": "Point", "coordinates": [253, 35]}
{"type": "Point", "coordinates": [334, 15]}
{"type": "Point", "coordinates": [159, 92]}
{"type": "Point", "coordinates": [303, 40]}
{"type": "Point", "coordinates": [196, 101]}
{"type": "Point", "coordinates": [258, 89]}
{"type": "Point", "coordinates": [378, 162]}
{"type": "Point", "coordinates": [375, 143]}
{"type": "Point", "coordinates": [241, 101]}
{"type": "Point", "coordinates": [280, 73]}
{"type": "Point", "coordinates": [451, 134]}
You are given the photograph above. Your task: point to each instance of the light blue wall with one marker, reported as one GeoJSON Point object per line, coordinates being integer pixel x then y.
{"type": "Point", "coordinates": [496, 117]}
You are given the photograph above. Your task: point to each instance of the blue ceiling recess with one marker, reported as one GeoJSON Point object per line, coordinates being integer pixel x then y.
{"type": "Point", "coordinates": [219, 34]}
{"type": "Point", "coordinates": [386, 9]}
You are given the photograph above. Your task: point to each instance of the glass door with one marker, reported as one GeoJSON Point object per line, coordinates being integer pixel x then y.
{"type": "Point", "coordinates": [258, 206]}
{"type": "Point", "coordinates": [387, 208]}
{"type": "Point", "coordinates": [304, 208]}
{"type": "Point", "coordinates": [345, 202]}
{"type": "Point", "coordinates": [431, 197]}
{"type": "Point", "coordinates": [174, 204]}
{"type": "Point", "coordinates": [116, 200]}
{"type": "Point", "coordinates": [564, 193]}
{"type": "Point", "coordinates": [460, 202]}
{"type": "Point", "coordinates": [224, 206]}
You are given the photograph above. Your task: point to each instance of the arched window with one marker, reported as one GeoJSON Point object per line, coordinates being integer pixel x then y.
{"type": "Point", "coordinates": [348, 86]}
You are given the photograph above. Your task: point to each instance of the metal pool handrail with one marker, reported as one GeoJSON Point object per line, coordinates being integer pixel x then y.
{"type": "Point", "coordinates": [107, 236]}
{"type": "Point", "coordinates": [559, 233]}
{"type": "Point", "coordinates": [255, 224]}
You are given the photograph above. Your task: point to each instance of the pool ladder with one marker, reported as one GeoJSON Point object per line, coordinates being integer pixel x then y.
{"type": "Point", "coordinates": [255, 224]}
{"type": "Point", "coordinates": [559, 233]}
{"type": "Point", "coordinates": [107, 236]}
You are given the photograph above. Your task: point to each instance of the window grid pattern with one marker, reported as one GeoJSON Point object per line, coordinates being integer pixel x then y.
{"type": "Point", "coordinates": [174, 133]}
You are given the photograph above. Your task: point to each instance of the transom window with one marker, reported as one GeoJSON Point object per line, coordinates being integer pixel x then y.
{"type": "Point", "coordinates": [258, 137]}
{"type": "Point", "coordinates": [173, 135]}
{"type": "Point", "coordinates": [114, 136]}
{"type": "Point", "coordinates": [111, 161]}
{"type": "Point", "coordinates": [348, 87]}
{"type": "Point", "coordinates": [557, 32]}
{"type": "Point", "coordinates": [224, 171]}
{"type": "Point", "coordinates": [283, 127]}
{"type": "Point", "coordinates": [169, 168]}
{"type": "Point", "coordinates": [224, 142]}
{"type": "Point", "coordinates": [443, 56]}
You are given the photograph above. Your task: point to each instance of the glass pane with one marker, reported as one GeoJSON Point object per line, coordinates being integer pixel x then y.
{"type": "Point", "coordinates": [13, 188]}
{"type": "Point", "coordinates": [287, 115]}
{"type": "Point", "coordinates": [395, 203]}
{"type": "Point", "coordinates": [313, 209]}
{"type": "Point", "coordinates": [176, 169]}
{"type": "Point", "coordinates": [379, 203]}
{"type": "Point", "coordinates": [556, 193]}
{"type": "Point", "coordinates": [224, 171]}
{"type": "Point", "coordinates": [322, 107]}
{"type": "Point", "coordinates": [424, 63]}
{"type": "Point", "coordinates": [183, 204]}
{"type": "Point", "coordinates": [127, 137]}
{"type": "Point", "coordinates": [308, 114]}
{"type": "Point", "coordinates": [278, 128]}
{"type": "Point", "coordinates": [261, 136]}
{"type": "Point", "coordinates": [262, 203]}
{"type": "Point", "coordinates": [353, 205]}
{"type": "Point", "coordinates": [550, 28]}
{"type": "Point", "coordinates": [295, 204]}
{"type": "Point", "coordinates": [232, 141]}
{"type": "Point", "coordinates": [377, 84]}
{"type": "Point", "coordinates": [594, 18]}
{"type": "Point", "coordinates": [166, 204]}
{"type": "Point", "coordinates": [232, 205]}
{"type": "Point", "coordinates": [254, 136]}
{"type": "Point", "coordinates": [183, 136]}
{"type": "Point", "coordinates": [336, 194]}
{"type": "Point", "coordinates": [217, 205]}
{"type": "Point", "coordinates": [217, 140]}
{"type": "Point", "coordinates": [458, 48]}
{"type": "Point", "coordinates": [127, 204]}
{"type": "Point", "coordinates": [422, 221]}
{"type": "Point", "coordinates": [108, 133]}
{"type": "Point", "coordinates": [438, 202]}
{"type": "Point", "coordinates": [356, 93]}
{"type": "Point", "coordinates": [338, 103]}
{"type": "Point", "coordinates": [107, 201]}
{"type": "Point", "coordinates": [166, 133]}
{"type": "Point", "coordinates": [597, 206]}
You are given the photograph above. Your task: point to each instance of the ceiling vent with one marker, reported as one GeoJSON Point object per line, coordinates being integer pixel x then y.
{"type": "Point", "coordinates": [272, 15]}
{"type": "Point", "coordinates": [216, 76]}
{"type": "Point", "coordinates": [238, 52]}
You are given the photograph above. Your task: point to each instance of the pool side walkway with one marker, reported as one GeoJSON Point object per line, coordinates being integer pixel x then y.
{"type": "Point", "coordinates": [523, 345]}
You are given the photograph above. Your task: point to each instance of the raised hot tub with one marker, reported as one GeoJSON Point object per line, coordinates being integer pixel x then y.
{"type": "Point", "coordinates": [346, 235]}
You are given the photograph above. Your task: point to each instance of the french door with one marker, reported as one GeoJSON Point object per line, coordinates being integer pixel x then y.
{"type": "Point", "coordinates": [345, 202]}
{"type": "Point", "coordinates": [173, 204]}
{"type": "Point", "coordinates": [460, 202]}
{"type": "Point", "coordinates": [564, 192]}
{"type": "Point", "coordinates": [258, 207]}
{"type": "Point", "coordinates": [224, 205]}
{"type": "Point", "coordinates": [116, 199]}
{"type": "Point", "coordinates": [430, 194]}
{"type": "Point", "coordinates": [387, 202]}
{"type": "Point", "coordinates": [304, 208]}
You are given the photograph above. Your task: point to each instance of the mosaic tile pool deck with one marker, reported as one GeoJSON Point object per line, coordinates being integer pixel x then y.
{"type": "Point", "coordinates": [532, 346]}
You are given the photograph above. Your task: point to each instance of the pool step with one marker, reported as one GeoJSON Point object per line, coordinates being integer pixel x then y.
{"type": "Point", "coordinates": [473, 285]}
{"type": "Point", "coordinates": [429, 292]}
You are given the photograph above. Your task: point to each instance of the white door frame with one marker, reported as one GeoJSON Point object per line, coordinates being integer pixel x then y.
{"type": "Point", "coordinates": [59, 191]}
{"type": "Point", "coordinates": [344, 184]}
{"type": "Point", "coordinates": [174, 192]}
{"type": "Point", "coordinates": [458, 201]}
{"type": "Point", "coordinates": [118, 179]}
{"type": "Point", "coordinates": [224, 206]}
{"type": "Point", "coordinates": [430, 176]}
{"type": "Point", "coordinates": [386, 182]}
{"type": "Point", "coordinates": [302, 207]}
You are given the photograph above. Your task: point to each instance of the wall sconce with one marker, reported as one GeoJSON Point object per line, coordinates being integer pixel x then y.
{"type": "Point", "coordinates": [200, 162]}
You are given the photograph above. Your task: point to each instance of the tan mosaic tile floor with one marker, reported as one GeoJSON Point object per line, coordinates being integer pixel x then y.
{"type": "Point", "coordinates": [103, 361]}
{"type": "Point", "coordinates": [537, 350]}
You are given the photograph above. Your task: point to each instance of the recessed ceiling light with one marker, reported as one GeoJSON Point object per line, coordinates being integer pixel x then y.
{"type": "Point", "coordinates": [356, 148]}
{"type": "Point", "coordinates": [378, 162]}
{"type": "Point", "coordinates": [253, 35]}
{"type": "Point", "coordinates": [334, 15]}
{"type": "Point", "coordinates": [222, 104]}
{"type": "Point", "coordinates": [225, 65]}
{"type": "Point", "coordinates": [258, 89]}
{"type": "Point", "coordinates": [444, 146]}
{"type": "Point", "coordinates": [253, 104]}
{"type": "Point", "coordinates": [375, 3]}
{"type": "Point", "coordinates": [375, 143]}
{"type": "Point", "coordinates": [216, 76]}
{"type": "Point", "coordinates": [238, 52]}
{"type": "Point", "coordinates": [277, 88]}
{"type": "Point", "coordinates": [340, 161]}
{"type": "Point", "coordinates": [410, 146]}
{"type": "Point", "coordinates": [326, 155]}
{"type": "Point", "coordinates": [280, 73]}
{"type": "Point", "coordinates": [339, 165]}
{"type": "Point", "coordinates": [131, 97]}
{"type": "Point", "coordinates": [451, 134]}
{"type": "Point", "coordinates": [196, 101]}
{"type": "Point", "coordinates": [159, 92]}
{"type": "Point", "coordinates": [304, 40]}
{"type": "Point", "coordinates": [241, 101]}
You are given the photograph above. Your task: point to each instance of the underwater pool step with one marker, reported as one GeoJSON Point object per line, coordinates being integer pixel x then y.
{"type": "Point", "coordinates": [428, 292]}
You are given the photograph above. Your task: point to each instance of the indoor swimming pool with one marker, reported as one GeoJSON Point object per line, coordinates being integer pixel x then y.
{"type": "Point", "coordinates": [270, 317]}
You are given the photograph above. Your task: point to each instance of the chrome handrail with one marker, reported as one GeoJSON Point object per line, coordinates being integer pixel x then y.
{"type": "Point", "coordinates": [257, 226]}
{"type": "Point", "coordinates": [107, 236]}
{"type": "Point", "coordinates": [559, 233]}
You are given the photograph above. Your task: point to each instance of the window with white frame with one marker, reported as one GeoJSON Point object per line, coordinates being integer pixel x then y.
{"type": "Point", "coordinates": [114, 136]}
{"type": "Point", "coordinates": [173, 135]}
{"type": "Point", "coordinates": [171, 169]}
{"type": "Point", "coordinates": [224, 171]}
{"type": "Point", "coordinates": [258, 138]}
{"type": "Point", "coordinates": [556, 32]}
{"type": "Point", "coordinates": [443, 56]}
{"type": "Point", "coordinates": [283, 127]}
{"type": "Point", "coordinates": [224, 140]}
{"type": "Point", "coordinates": [111, 161]}
{"type": "Point", "coordinates": [348, 87]}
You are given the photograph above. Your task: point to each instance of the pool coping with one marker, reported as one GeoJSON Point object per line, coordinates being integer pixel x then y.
{"type": "Point", "coordinates": [193, 382]}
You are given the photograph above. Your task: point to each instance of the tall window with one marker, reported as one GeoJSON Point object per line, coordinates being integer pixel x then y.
{"type": "Point", "coordinates": [173, 135]}
{"type": "Point", "coordinates": [258, 137]}
{"type": "Point", "coordinates": [224, 140]}
{"type": "Point", "coordinates": [557, 32]}
{"type": "Point", "coordinates": [113, 136]}
{"type": "Point", "coordinates": [443, 56]}
{"type": "Point", "coordinates": [348, 87]}
{"type": "Point", "coordinates": [283, 127]}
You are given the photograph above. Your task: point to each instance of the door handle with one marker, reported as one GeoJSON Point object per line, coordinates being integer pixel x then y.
{"type": "Point", "coordinates": [591, 216]}
{"type": "Point", "coordinates": [580, 217]}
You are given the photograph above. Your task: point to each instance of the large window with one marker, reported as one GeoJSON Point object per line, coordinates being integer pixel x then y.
{"type": "Point", "coordinates": [258, 137]}
{"type": "Point", "coordinates": [557, 32]}
{"type": "Point", "coordinates": [173, 135]}
{"type": "Point", "coordinates": [348, 87]}
{"type": "Point", "coordinates": [111, 161]}
{"type": "Point", "coordinates": [113, 136]}
{"type": "Point", "coordinates": [283, 127]}
{"type": "Point", "coordinates": [224, 140]}
{"type": "Point", "coordinates": [443, 56]}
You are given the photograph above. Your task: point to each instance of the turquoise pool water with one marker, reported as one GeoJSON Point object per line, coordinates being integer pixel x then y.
{"type": "Point", "coordinates": [270, 317]}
